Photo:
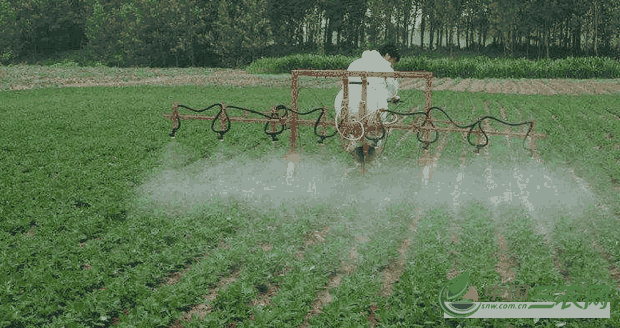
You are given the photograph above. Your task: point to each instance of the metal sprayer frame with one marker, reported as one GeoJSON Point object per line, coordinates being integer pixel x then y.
{"type": "Point", "coordinates": [349, 124]}
{"type": "Point", "coordinates": [345, 75]}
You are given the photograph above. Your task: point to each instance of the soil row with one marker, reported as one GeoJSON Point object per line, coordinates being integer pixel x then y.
{"type": "Point", "coordinates": [241, 78]}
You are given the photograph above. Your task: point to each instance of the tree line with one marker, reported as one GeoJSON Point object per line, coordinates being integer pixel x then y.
{"type": "Point", "coordinates": [235, 32]}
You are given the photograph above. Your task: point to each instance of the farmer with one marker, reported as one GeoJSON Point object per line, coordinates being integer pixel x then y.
{"type": "Point", "coordinates": [379, 91]}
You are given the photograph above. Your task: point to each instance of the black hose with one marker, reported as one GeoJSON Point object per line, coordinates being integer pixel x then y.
{"type": "Point", "coordinates": [277, 115]}
{"type": "Point", "coordinates": [471, 126]}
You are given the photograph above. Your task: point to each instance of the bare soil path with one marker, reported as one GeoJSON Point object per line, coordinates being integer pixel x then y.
{"type": "Point", "coordinates": [27, 77]}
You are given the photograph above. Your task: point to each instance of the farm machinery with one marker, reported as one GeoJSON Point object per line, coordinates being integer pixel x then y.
{"type": "Point", "coordinates": [362, 127]}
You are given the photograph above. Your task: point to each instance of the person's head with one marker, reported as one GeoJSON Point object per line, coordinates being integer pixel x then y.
{"type": "Point", "coordinates": [390, 53]}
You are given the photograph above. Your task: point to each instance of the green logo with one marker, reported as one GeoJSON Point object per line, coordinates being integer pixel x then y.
{"type": "Point", "coordinates": [453, 294]}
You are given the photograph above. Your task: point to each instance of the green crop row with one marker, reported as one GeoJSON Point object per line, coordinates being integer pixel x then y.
{"type": "Point", "coordinates": [468, 67]}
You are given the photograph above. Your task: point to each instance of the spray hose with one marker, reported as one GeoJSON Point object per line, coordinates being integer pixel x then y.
{"type": "Point", "coordinates": [277, 116]}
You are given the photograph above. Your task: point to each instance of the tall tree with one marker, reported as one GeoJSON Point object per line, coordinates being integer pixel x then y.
{"type": "Point", "coordinates": [176, 32]}
{"type": "Point", "coordinates": [313, 24]}
{"type": "Point", "coordinates": [609, 18]}
{"type": "Point", "coordinates": [424, 13]}
{"type": "Point", "coordinates": [353, 22]}
{"type": "Point", "coordinates": [597, 11]}
{"type": "Point", "coordinates": [285, 17]}
{"type": "Point", "coordinates": [544, 15]}
{"type": "Point", "coordinates": [504, 16]}
{"type": "Point", "coordinates": [412, 21]}
{"type": "Point", "coordinates": [334, 11]}
{"type": "Point", "coordinates": [431, 11]}
{"type": "Point", "coordinates": [45, 27]}
{"type": "Point", "coordinates": [10, 45]}
{"type": "Point", "coordinates": [572, 12]}
{"type": "Point", "coordinates": [376, 20]}
{"type": "Point", "coordinates": [241, 30]}
{"type": "Point", "coordinates": [614, 24]}
{"type": "Point", "coordinates": [402, 14]}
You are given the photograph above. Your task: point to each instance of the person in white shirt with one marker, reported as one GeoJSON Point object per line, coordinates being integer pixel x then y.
{"type": "Point", "coordinates": [379, 92]}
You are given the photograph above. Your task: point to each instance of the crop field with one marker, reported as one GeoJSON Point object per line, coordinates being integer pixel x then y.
{"type": "Point", "coordinates": [107, 221]}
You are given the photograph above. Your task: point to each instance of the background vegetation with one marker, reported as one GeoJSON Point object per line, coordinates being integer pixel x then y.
{"type": "Point", "coordinates": [183, 33]}
{"type": "Point", "coordinates": [478, 67]}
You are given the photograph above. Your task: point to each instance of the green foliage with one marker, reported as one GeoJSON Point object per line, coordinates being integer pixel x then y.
{"type": "Point", "coordinates": [240, 31]}
{"type": "Point", "coordinates": [180, 32]}
{"type": "Point", "coordinates": [478, 67]}
{"type": "Point", "coordinates": [298, 61]}
{"type": "Point", "coordinates": [40, 27]}
{"type": "Point", "coordinates": [234, 33]}
{"type": "Point", "coordinates": [10, 46]}
{"type": "Point", "coordinates": [284, 16]}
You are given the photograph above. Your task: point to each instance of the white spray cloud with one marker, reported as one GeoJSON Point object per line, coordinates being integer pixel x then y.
{"type": "Point", "coordinates": [267, 184]}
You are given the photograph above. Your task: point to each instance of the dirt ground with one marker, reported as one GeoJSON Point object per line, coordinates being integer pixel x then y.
{"type": "Point", "coordinates": [241, 78]}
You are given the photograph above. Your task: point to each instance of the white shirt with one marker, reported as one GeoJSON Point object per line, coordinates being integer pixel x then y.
{"type": "Point", "coordinates": [379, 90]}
